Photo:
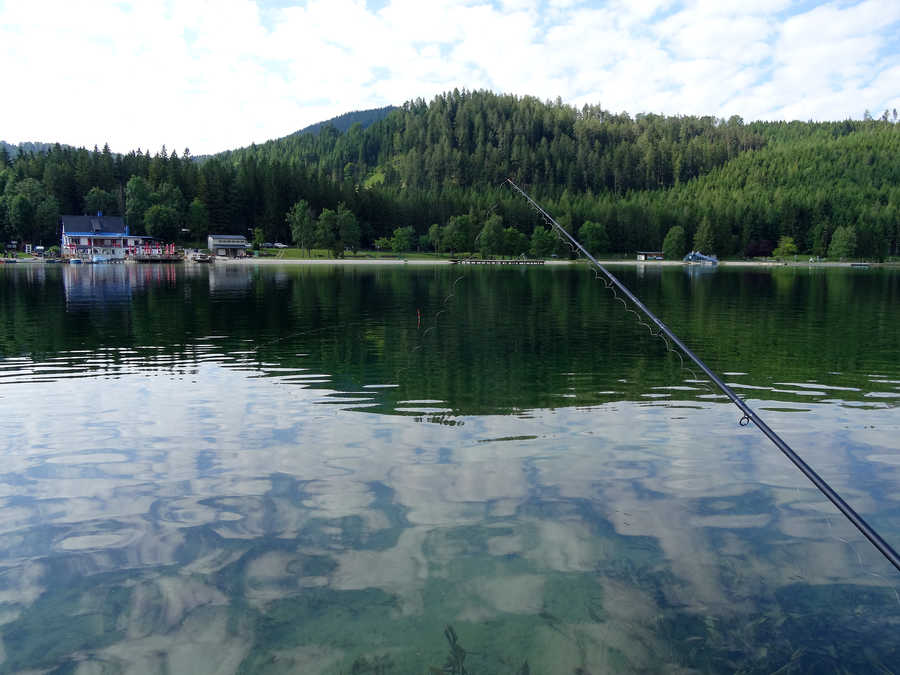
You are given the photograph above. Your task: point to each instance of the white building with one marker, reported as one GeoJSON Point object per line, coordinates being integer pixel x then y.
{"type": "Point", "coordinates": [87, 236]}
{"type": "Point", "coordinates": [227, 245]}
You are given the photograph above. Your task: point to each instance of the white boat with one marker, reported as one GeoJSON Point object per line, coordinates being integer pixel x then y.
{"type": "Point", "coordinates": [697, 258]}
{"type": "Point", "coordinates": [99, 259]}
{"type": "Point", "coordinates": [74, 261]}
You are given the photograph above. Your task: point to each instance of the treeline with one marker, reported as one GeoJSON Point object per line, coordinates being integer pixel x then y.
{"type": "Point", "coordinates": [11, 151]}
{"type": "Point", "coordinates": [167, 195]}
{"type": "Point", "coordinates": [803, 189]}
{"type": "Point", "coordinates": [431, 175]}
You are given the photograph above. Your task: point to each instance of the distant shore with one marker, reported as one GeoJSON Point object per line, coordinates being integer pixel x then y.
{"type": "Point", "coordinates": [444, 261]}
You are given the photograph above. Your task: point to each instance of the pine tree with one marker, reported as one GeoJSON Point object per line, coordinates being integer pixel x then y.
{"type": "Point", "coordinates": [704, 238]}
{"type": "Point", "coordinates": [674, 244]}
{"type": "Point", "coordinates": [198, 219]}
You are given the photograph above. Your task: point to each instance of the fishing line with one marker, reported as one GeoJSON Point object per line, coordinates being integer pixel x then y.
{"type": "Point", "coordinates": [310, 331]}
{"type": "Point", "coordinates": [749, 415]}
{"type": "Point", "coordinates": [694, 378]}
{"type": "Point", "coordinates": [443, 308]}
{"type": "Point", "coordinates": [423, 334]}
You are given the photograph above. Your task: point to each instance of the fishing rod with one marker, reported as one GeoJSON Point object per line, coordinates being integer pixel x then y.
{"type": "Point", "coordinates": [749, 414]}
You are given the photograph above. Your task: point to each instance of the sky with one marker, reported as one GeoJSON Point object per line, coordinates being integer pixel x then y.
{"type": "Point", "coordinates": [212, 75]}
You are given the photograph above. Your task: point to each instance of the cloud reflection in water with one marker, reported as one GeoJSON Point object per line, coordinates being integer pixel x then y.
{"type": "Point", "coordinates": [195, 516]}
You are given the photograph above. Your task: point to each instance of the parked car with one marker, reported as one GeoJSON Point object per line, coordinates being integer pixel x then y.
{"type": "Point", "coordinates": [278, 244]}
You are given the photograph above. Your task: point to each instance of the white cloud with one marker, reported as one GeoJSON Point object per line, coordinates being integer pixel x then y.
{"type": "Point", "coordinates": [829, 63]}
{"type": "Point", "coordinates": [215, 75]}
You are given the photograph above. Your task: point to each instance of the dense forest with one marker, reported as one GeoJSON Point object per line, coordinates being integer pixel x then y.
{"type": "Point", "coordinates": [342, 123]}
{"type": "Point", "coordinates": [431, 175]}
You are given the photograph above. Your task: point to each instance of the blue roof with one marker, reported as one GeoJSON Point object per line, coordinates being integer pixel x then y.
{"type": "Point", "coordinates": [105, 234]}
{"type": "Point", "coordinates": [93, 224]}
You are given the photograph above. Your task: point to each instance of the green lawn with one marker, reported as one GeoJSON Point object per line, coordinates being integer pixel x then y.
{"type": "Point", "coordinates": [302, 254]}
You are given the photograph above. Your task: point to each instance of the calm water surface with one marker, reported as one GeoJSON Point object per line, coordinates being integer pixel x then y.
{"type": "Point", "coordinates": [396, 469]}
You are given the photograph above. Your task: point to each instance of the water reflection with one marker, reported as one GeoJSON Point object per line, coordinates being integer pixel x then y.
{"type": "Point", "coordinates": [416, 329]}
{"type": "Point", "coordinates": [230, 280]}
{"type": "Point", "coordinates": [221, 500]}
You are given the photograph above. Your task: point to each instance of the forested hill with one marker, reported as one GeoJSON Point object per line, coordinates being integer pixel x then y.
{"type": "Point", "coordinates": [473, 139]}
{"type": "Point", "coordinates": [622, 183]}
{"type": "Point", "coordinates": [334, 126]}
{"type": "Point", "coordinates": [343, 122]}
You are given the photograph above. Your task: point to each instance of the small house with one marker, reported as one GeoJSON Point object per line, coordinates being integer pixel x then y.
{"type": "Point", "coordinates": [227, 245]}
{"type": "Point", "coordinates": [650, 255]}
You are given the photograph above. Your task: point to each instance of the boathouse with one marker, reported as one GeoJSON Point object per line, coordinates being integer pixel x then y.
{"type": "Point", "coordinates": [227, 245]}
{"type": "Point", "coordinates": [650, 255]}
{"type": "Point", "coordinates": [87, 236]}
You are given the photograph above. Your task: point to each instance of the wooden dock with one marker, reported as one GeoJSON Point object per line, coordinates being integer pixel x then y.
{"type": "Point", "coordinates": [494, 261]}
{"type": "Point", "coordinates": [156, 258]}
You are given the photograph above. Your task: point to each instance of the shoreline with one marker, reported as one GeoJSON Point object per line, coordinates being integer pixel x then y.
{"type": "Point", "coordinates": [446, 261]}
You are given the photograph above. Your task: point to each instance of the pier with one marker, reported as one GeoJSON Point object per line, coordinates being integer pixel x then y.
{"type": "Point", "coordinates": [156, 258]}
{"type": "Point", "coordinates": [494, 261]}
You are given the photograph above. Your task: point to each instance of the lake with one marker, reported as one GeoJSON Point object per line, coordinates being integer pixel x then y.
{"type": "Point", "coordinates": [432, 468]}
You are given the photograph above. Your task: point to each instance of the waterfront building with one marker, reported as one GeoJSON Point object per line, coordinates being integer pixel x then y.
{"type": "Point", "coordinates": [108, 236]}
{"type": "Point", "coordinates": [227, 245]}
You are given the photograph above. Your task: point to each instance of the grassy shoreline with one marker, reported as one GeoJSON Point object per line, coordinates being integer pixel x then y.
{"type": "Point", "coordinates": [612, 262]}
{"type": "Point", "coordinates": [321, 257]}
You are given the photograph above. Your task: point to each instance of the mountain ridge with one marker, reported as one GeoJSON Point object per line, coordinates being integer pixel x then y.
{"type": "Point", "coordinates": [341, 123]}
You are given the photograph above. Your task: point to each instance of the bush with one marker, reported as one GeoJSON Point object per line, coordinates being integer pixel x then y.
{"type": "Point", "coordinates": [786, 247]}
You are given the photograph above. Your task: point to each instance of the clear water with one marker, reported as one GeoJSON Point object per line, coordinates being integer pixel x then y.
{"type": "Point", "coordinates": [417, 469]}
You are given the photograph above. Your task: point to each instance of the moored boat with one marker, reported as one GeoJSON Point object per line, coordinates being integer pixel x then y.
{"type": "Point", "coordinates": [697, 258]}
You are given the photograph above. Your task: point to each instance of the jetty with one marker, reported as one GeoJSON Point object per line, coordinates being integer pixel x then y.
{"type": "Point", "coordinates": [494, 261]}
{"type": "Point", "coordinates": [156, 258]}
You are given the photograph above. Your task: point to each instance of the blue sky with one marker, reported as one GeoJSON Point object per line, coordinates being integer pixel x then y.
{"type": "Point", "coordinates": [219, 74]}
